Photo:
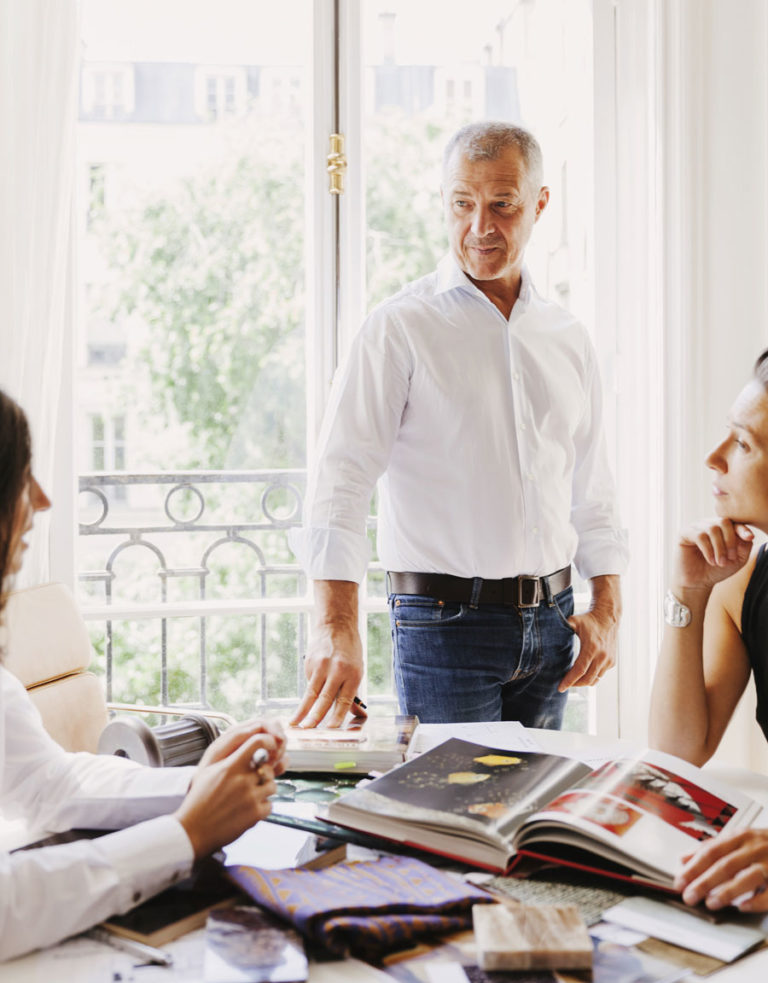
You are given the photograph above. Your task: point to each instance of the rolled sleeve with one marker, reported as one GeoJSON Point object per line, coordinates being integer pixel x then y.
{"type": "Point", "coordinates": [331, 554]}
{"type": "Point", "coordinates": [602, 551]}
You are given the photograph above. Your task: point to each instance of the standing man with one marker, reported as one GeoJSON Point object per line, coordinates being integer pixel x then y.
{"type": "Point", "coordinates": [478, 404]}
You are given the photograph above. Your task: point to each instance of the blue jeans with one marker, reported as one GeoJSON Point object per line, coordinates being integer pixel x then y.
{"type": "Point", "coordinates": [494, 662]}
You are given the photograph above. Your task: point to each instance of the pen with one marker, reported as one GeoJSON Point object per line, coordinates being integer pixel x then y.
{"type": "Point", "coordinates": [146, 953]}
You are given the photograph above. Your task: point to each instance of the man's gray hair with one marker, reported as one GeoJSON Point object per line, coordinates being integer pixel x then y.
{"type": "Point", "coordinates": [488, 140]}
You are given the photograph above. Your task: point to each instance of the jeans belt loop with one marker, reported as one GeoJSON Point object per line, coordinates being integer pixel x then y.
{"type": "Point", "coordinates": [528, 592]}
{"type": "Point", "coordinates": [547, 590]}
{"type": "Point", "coordinates": [477, 586]}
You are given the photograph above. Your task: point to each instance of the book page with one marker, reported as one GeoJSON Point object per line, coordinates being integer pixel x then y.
{"type": "Point", "coordinates": [465, 788]}
{"type": "Point", "coordinates": [653, 808]}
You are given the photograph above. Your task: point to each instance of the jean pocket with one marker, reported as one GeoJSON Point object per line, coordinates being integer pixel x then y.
{"type": "Point", "coordinates": [415, 611]}
{"type": "Point", "coordinates": [563, 605]}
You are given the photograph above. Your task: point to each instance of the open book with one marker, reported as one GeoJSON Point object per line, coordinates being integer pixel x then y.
{"type": "Point", "coordinates": [632, 818]}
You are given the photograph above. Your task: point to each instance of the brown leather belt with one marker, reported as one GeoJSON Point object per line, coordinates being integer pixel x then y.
{"type": "Point", "coordinates": [522, 592]}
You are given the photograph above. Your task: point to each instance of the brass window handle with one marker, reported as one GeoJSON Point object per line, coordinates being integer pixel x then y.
{"type": "Point", "coordinates": [337, 164]}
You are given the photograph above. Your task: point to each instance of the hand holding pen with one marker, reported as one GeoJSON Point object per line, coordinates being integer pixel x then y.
{"type": "Point", "coordinates": [230, 790]}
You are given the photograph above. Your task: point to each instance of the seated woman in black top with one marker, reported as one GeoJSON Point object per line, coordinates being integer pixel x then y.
{"type": "Point", "coordinates": [716, 637]}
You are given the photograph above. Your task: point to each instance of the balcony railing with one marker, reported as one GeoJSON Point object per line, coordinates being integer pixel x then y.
{"type": "Point", "coordinates": [208, 546]}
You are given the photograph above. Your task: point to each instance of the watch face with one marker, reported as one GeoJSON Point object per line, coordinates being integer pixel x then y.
{"type": "Point", "coordinates": [675, 613]}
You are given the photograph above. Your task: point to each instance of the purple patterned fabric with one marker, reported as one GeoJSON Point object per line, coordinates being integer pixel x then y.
{"type": "Point", "coordinates": [365, 909]}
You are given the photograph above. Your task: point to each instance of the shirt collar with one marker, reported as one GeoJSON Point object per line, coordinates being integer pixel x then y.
{"type": "Point", "coordinates": [450, 276]}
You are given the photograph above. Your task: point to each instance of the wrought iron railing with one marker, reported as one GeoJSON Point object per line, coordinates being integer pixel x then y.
{"type": "Point", "coordinates": [184, 524]}
{"type": "Point", "coordinates": [182, 521]}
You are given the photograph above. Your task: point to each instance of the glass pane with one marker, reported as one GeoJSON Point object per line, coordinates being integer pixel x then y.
{"type": "Point", "coordinates": [528, 63]}
{"type": "Point", "coordinates": [429, 68]}
{"type": "Point", "coordinates": [192, 133]}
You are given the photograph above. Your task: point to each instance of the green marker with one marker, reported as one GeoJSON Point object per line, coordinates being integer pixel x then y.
{"type": "Point", "coordinates": [341, 765]}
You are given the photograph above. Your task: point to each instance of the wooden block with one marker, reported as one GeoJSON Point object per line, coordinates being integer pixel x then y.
{"type": "Point", "coordinates": [531, 937]}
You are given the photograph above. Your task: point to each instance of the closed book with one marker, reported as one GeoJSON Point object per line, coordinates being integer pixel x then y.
{"type": "Point", "coordinates": [179, 909]}
{"type": "Point", "coordinates": [375, 744]}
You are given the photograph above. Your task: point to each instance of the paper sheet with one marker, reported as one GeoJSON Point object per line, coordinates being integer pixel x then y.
{"type": "Point", "coordinates": [508, 735]}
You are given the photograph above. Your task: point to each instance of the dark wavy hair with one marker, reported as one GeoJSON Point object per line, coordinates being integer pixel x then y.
{"type": "Point", "coordinates": [15, 459]}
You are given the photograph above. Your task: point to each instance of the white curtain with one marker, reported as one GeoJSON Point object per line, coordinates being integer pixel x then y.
{"type": "Point", "coordinates": [38, 109]}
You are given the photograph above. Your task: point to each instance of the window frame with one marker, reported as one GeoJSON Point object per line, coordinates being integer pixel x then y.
{"type": "Point", "coordinates": [336, 306]}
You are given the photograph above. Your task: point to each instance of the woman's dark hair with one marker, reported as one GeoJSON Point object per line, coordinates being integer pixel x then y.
{"type": "Point", "coordinates": [15, 459]}
{"type": "Point", "coordinates": [761, 369]}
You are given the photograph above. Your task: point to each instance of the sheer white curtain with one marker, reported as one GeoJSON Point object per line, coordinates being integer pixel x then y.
{"type": "Point", "coordinates": [38, 102]}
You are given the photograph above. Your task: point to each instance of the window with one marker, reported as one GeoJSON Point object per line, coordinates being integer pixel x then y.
{"type": "Point", "coordinates": [107, 443]}
{"type": "Point", "coordinates": [108, 449]}
{"type": "Point", "coordinates": [219, 92]}
{"type": "Point", "coordinates": [96, 192]}
{"type": "Point", "coordinates": [223, 283]}
{"type": "Point", "coordinates": [107, 91]}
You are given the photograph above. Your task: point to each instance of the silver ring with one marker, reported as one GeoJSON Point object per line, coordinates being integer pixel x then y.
{"type": "Point", "coordinates": [258, 758]}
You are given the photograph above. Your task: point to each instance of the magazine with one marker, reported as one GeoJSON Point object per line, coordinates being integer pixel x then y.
{"type": "Point", "coordinates": [632, 818]}
{"type": "Point", "coordinates": [375, 744]}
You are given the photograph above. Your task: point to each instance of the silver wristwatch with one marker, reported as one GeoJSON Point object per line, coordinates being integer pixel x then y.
{"type": "Point", "coordinates": [675, 613]}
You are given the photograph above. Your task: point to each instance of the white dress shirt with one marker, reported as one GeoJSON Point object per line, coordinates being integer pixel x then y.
{"type": "Point", "coordinates": [53, 892]}
{"type": "Point", "coordinates": [486, 434]}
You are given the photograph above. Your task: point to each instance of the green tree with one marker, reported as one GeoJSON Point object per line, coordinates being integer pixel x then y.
{"type": "Point", "coordinates": [215, 272]}
{"type": "Point", "coordinates": [212, 274]}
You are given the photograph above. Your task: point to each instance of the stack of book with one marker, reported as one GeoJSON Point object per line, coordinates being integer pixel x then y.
{"type": "Point", "coordinates": [360, 747]}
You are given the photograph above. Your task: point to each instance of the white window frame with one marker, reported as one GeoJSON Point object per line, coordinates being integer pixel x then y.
{"type": "Point", "coordinates": [628, 332]}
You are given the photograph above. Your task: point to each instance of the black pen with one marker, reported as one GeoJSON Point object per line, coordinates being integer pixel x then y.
{"type": "Point", "coordinates": [147, 953]}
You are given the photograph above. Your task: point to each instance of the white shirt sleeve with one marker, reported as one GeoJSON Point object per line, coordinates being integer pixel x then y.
{"type": "Point", "coordinates": [602, 546]}
{"type": "Point", "coordinates": [50, 893]}
{"type": "Point", "coordinates": [366, 406]}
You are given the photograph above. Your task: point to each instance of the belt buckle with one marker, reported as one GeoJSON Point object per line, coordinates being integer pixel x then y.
{"type": "Point", "coordinates": [528, 592]}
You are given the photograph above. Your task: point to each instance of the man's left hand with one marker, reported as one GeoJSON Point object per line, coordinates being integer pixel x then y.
{"type": "Point", "coordinates": [597, 631]}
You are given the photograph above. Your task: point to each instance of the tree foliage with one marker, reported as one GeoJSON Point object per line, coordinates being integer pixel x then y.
{"type": "Point", "coordinates": [211, 277]}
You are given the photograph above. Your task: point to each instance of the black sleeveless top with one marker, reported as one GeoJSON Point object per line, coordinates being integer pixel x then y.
{"type": "Point", "coordinates": [754, 631]}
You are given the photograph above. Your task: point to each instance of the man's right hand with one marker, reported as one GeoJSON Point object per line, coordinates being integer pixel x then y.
{"type": "Point", "coordinates": [334, 661]}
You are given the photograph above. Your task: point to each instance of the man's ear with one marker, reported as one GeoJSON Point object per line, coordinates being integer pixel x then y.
{"type": "Point", "coordinates": [542, 200]}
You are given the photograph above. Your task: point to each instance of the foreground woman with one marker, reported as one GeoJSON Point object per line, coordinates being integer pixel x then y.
{"type": "Point", "coordinates": [716, 637]}
{"type": "Point", "coordinates": [173, 815]}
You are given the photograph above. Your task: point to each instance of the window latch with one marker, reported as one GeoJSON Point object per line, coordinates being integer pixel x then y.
{"type": "Point", "coordinates": [337, 164]}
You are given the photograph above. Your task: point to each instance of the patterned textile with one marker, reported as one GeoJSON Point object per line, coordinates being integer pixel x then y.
{"type": "Point", "coordinates": [365, 909]}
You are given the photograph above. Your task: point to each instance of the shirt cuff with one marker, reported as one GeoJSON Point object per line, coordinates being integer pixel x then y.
{"type": "Point", "coordinates": [602, 554]}
{"type": "Point", "coordinates": [147, 858]}
{"type": "Point", "coordinates": [331, 554]}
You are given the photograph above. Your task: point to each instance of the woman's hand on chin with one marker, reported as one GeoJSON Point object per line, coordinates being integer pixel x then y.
{"type": "Point", "coordinates": [709, 552]}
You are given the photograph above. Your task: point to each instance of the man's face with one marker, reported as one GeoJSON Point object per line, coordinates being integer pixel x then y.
{"type": "Point", "coordinates": [740, 462]}
{"type": "Point", "coordinates": [490, 210]}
